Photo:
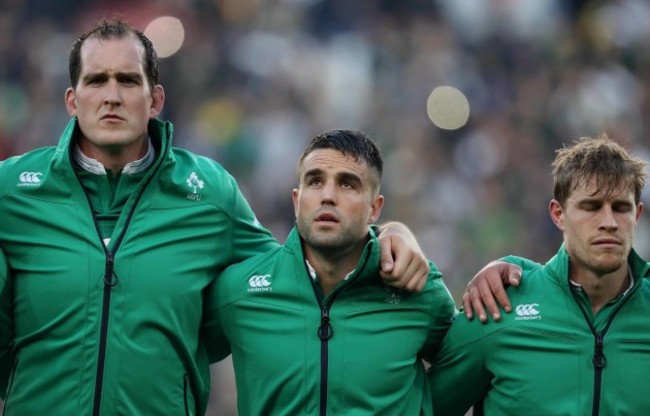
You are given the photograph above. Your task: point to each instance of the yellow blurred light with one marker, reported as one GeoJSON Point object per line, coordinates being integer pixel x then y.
{"type": "Point", "coordinates": [448, 108]}
{"type": "Point", "coordinates": [166, 34]}
{"type": "Point", "coordinates": [218, 120]}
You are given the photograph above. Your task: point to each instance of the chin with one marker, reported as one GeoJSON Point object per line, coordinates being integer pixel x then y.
{"type": "Point", "coordinates": [608, 266]}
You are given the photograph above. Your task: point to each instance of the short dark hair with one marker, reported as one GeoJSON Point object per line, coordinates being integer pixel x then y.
{"type": "Point", "coordinates": [114, 28]}
{"type": "Point", "coordinates": [353, 143]}
{"type": "Point", "coordinates": [601, 159]}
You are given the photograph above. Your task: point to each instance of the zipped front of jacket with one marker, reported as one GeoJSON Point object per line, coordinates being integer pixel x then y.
{"type": "Point", "coordinates": [325, 330]}
{"type": "Point", "coordinates": [110, 280]}
{"type": "Point", "coordinates": [599, 360]}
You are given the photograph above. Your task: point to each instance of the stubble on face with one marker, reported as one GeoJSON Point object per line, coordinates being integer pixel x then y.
{"type": "Point", "coordinates": [333, 204]}
{"type": "Point", "coordinates": [599, 229]}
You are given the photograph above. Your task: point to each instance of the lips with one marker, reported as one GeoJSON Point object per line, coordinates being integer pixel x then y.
{"type": "Point", "coordinates": [111, 117]}
{"type": "Point", "coordinates": [607, 242]}
{"type": "Point", "coordinates": [327, 217]}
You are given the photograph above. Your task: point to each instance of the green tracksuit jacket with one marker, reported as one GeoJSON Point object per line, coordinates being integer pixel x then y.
{"type": "Point", "coordinates": [354, 352]}
{"type": "Point", "coordinates": [550, 356]}
{"type": "Point", "coordinates": [6, 326]}
{"type": "Point", "coordinates": [115, 330]}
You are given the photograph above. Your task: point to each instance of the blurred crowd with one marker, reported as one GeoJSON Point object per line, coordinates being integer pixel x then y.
{"type": "Point", "coordinates": [254, 80]}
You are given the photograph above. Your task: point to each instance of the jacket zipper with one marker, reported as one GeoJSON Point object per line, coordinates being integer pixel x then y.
{"type": "Point", "coordinates": [599, 359]}
{"type": "Point", "coordinates": [109, 272]}
{"type": "Point", "coordinates": [110, 280]}
{"type": "Point", "coordinates": [325, 333]}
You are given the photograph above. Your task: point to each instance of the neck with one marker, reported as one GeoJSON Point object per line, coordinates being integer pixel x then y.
{"type": "Point", "coordinates": [114, 158]}
{"type": "Point", "coordinates": [601, 288]}
{"type": "Point", "coordinates": [332, 267]}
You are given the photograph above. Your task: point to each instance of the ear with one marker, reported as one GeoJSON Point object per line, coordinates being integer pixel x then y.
{"type": "Point", "coordinates": [71, 102]}
{"type": "Point", "coordinates": [375, 209]}
{"type": "Point", "coordinates": [639, 210]}
{"type": "Point", "coordinates": [557, 214]}
{"type": "Point", "coordinates": [157, 101]}
{"type": "Point", "coordinates": [294, 195]}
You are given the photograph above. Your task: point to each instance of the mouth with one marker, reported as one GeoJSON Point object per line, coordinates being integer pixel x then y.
{"type": "Point", "coordinates": [607, 243]}
{"type": "Point", "coordinates": [327, 218]}
{"type": "Point", "coordinates": [112, 117]}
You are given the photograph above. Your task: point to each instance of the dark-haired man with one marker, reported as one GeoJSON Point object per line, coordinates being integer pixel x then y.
{"type": "Point", "coordinates": [312, 328]}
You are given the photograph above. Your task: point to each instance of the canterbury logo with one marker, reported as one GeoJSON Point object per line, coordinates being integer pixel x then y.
{"type": "Point", "coordinates": [30, 179]}
{"type": "Point", "coordinates": [528, 311]}
{"type": "Point", "coordinates": [259, 283]}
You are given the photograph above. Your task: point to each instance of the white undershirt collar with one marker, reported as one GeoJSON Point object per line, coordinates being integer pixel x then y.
{"type": "Point", "coordinates": [94, 166]}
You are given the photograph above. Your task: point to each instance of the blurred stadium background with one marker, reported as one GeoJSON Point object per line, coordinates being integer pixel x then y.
{"type": "Point", "coordinates": [467, 98]}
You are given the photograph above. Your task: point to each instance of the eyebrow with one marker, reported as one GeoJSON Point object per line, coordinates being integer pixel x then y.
{"type": "Point", "coordinates": [339, 176]}
{"type": "Point", "coordinates": [118, 75]}
{"type": "Point", "coordinates": [600, 201]}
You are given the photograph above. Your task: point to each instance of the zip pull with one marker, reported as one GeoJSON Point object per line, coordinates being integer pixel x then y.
{"type": "Point", "coordinates": [110, 277]}
{"type": "Point", "coordinates": [599, 360]}
{"type": "Point", "coordinates": [325, 331]}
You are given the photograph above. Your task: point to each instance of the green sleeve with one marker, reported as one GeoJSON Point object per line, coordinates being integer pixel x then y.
{"type": "Point", "coordinates": [212, 328]}
{"type": "Point", "coordinates": [525, 264]}
{"type": "Point", "coordinates": [458, 377]}
{"type": "Point", "coordinates": [248, 237]}
{"type": "Point", "coordinates": [6, 325]}
{"type": "Point", "coordinates": [442, 312]}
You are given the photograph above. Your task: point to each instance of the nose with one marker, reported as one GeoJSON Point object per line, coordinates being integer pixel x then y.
{"type": "Point", "coordinates": [328, 194]}
{"type": "Point", "coordinates": [608, 220]}
{"type": "Point", "coordinates": [112, 93]}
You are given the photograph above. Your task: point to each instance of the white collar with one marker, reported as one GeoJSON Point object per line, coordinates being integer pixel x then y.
{"type": "Point", "coordinates": [94, 166]}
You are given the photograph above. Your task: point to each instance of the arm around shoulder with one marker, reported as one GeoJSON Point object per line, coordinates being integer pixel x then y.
{"type": "Point", "coordinates": [213, 333]}
{"type": "Point", "coordinates": [442, 311]}
{"type": "Point", "coordinates": [458, 377]}
{"type": "Point", "coordinates": [525, 264]}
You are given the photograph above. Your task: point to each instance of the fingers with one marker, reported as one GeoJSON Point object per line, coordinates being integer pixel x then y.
{"type": "Point", "coordinates": [409, 273]}
{"type": "Point", "coordinates": [498, 292]}
{"type": "Point", "coordinates": [514, 277]}
{"type": "Point", "coordinates": [486, 290]}
{"type": "Point", "coordinates": [386, 261]}
{"type": "Point", "coordinates": [477, 297]}
{"type": "Point", "coordinates": [418, 280]}
{"type": "Point", "coordinates": [468, 308]}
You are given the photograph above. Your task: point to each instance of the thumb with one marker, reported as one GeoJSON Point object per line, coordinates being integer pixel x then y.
{"type": "Point", "coordinates": [515, 277]}
{"type": "Point", "coordinates": [386, 257]}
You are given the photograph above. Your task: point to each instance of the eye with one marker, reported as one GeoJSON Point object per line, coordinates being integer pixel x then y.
{"type": "Point", "coordinates": [622, 207]}
{"type": "Point", "coordinates": [314, 182]}
{"type": "Point", "coordinates": [95, 80]}
{"type": "Point", "coordinates": [129, 81]}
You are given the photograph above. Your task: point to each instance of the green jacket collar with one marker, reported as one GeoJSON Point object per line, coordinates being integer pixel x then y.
{"type": "Point", "coordinates": [367, 268]}
{"type": "Point", "coordinates": [558, 267]}
{"type": "Point", "coordinates": [159, 131]}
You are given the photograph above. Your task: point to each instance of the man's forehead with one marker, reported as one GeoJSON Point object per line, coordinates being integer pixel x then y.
{"type": "Point", "coordinates": [330, 159]}
{"type": "Point", "coordinates": [125, 53]}
{"type": "Point", "coordinates": [601, 188]}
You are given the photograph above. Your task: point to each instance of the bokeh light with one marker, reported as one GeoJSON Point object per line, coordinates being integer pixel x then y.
{"type": "Point", "coordinates": [166, 34]}
{"type": "Point", "coordinates": [448, 108]}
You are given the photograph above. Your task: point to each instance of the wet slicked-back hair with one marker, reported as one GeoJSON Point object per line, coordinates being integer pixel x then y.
{"type": "Point", "coordinates": [600, 159]}
{"type": "Point", "coordinates": [353, 143]}
{"type": "Point", "coordinates": [114, 28]}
